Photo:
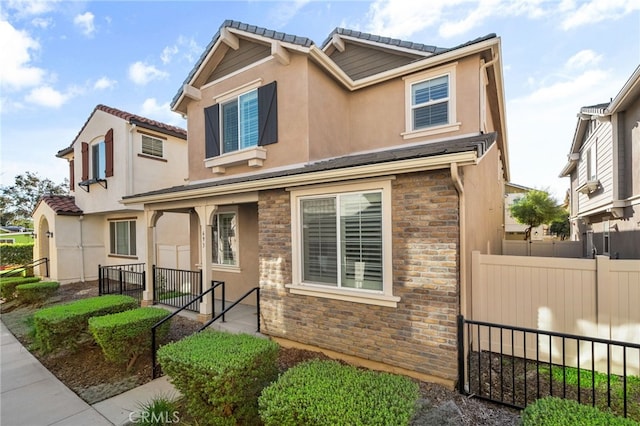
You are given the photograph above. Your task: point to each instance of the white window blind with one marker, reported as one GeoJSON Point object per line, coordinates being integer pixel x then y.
{"type": "Point", "coordinates": [151, 146]}
{"type": "Point", "coordinates": [240, 122]}
{"type": "Point", "coordinates": [430, 102]}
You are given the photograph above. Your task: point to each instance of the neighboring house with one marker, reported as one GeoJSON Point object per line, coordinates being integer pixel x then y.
{"type": "Point", "coordinates": [604, 168]}
{"type": "Point", "coordinates": [115, 154]}
{"type": "Point", "coordinates": [15, 235]}
{"type": "Point", "coordinates": [513, 230]}
{"type": "Point", "coordinates": [350, 181]}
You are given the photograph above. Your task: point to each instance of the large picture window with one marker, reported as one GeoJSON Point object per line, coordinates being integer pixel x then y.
{"type": "Point", "coordinates": [123, 237]}
{"type": "Point", "coordinates": [225, 239]}
{"type": "Point", "coordinates": [342, 240]}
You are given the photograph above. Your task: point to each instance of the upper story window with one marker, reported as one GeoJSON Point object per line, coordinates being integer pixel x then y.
{"type": "Point", "coordinates": [431, 103]}
{"type": "Point", "coordinates": [592, 161]}
{"type": "Point", "coordinates": [152, 146]}
{"type": "Point", "coordinates": [239, 122]}
{"type": "Point", "coordinates": [98, 160]}
{"type": "Point", "coordinates": [239, 125]}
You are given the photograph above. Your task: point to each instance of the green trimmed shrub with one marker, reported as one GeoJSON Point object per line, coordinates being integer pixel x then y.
{"type": "Point", "coordinates": [63, 326]}
{"type": "Point", "coordinates": [16, 254]}
{"type": "Point", "coordinates": [36, 292]}
{"type": "Point", "coordinates": [221, 375]}
{"type": "Point", "coordinates": [551, 411]}
{"type": "Point", "coordinates": [8, 286]}
{"type": "Point", "coordinates": [321, 392]}
{"type": "Point", "coordinates": [126, 335]}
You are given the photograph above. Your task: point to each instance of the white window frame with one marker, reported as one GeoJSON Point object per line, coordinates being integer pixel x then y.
{"type": "Point", "coordinates": [153, 149]}
{"type": "Point", "coordinates": [114, 238]}
{"type": "Point", "coordinates": [592, 162]}
{"type": "Point", "coordinates": [235, 244]}
{"type": "Point", "coordinates": [453, 124]}
{"type": "Point", "coordinates": [236, 99]}
{"type": "Point", "coordinates": [384, 297]}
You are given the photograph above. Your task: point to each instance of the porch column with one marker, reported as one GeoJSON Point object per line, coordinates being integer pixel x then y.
{"type": "Point", "coordinates": [151, 218]}
{"type": "Point", "coordinates": [205, 214]}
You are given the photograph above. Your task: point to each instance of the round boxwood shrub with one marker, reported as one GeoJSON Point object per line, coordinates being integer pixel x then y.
{"type": "Point", "coordinates": [329, 393]}
{"type": "Point", "coordinates": [221, 375]}
{"type": "Point", "coordinates": [36, 292]}
{"type": "Point", "coordinates": [124, 336]}
{"type": "Point", "coordinates": [552, 411]}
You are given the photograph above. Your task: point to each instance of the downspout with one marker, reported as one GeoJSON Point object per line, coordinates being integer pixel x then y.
{"type": "Point", "coordinates": [82, 278]}
{"type": "Point", "coordinates": [455, 176]}
{"type": "Point", "coordinates": [130, 167]}
{"type": "Point", "coordinates": [483, 110]}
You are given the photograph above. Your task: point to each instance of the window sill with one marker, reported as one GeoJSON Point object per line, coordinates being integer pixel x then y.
{"type": "Point", "coordinates": [588, 187]}
{"type": "Point", "coordinates": [431, 131]}
{"type": "Point", "coordinates": [345, 295]}
{"type": "Point", "coordinates": [122, 256]}
{"type": "Point", "coordinates": [226, 268]}
{"type": "Point", "coordinates": [152, 157]}
{"type": "Point", "coordinates": [254, 157]}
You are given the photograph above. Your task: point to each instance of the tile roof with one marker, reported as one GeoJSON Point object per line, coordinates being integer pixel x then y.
{"type": "Point", "coordinates": [138, 120]}
{"type": "Point", "coordinates": [480, 144]}
{"type": "Point", "coordinates": [384, 40]}
{"type": "Point", "coordinates": [64, 205]}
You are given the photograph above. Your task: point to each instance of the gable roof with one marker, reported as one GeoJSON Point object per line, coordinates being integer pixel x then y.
{"type": "Point", "coordinates": [440, 153]}
{"type": "Point", "coordinates": [307, 46]}
{"type": "Point", "coordinates": [138, 120]}
{"type": "Point", "coordinates": [63, 205]}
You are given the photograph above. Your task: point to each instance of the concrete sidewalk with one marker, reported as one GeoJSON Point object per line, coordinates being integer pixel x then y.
{"type": "Point", "coordinates": [30, 395]}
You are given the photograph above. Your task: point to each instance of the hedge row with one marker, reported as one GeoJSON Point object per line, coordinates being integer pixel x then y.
{"type": "Point", "coordinates": [126, 335]}
{"type": "Point", "coordinates": [36, 292]}
{"type": "Point", "coordinates": [551, 411]}
{"type": "Point", "coordinates": [329, 393]}
{"type": "Point", "coordinates": [221, 375]}
{"type": "Point", "coordinates": [8, 285]}
{"type": "Point", "coordinates": [63, 325]}
{"type": "Point", "coordinates": [16, 254]}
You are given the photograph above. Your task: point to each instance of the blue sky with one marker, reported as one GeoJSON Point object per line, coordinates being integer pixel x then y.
{"type": "Point", "coordinates": [59, 59]}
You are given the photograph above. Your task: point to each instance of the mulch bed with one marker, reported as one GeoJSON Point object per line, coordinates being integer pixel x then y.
{"type": "Point", "coordinates": [93, 378]}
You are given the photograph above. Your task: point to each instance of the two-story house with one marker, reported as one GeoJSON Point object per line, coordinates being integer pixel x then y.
{"type": "Point", "coordinates": [115, 154]}
{"type": "Point", "coordinates": [350, 181]}
{"type": "Point", "coordinates": [604, 168]}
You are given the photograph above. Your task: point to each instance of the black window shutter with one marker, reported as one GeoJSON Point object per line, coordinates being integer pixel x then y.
{"type": "Point", "coordinates": [268, 114]}
{"type": "Point", "coordinates": [212, 131]}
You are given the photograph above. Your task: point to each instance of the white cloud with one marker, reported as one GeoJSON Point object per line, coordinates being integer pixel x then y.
{"type": "Point", "coordinates": [104, 83]}
{"type": "Point", "coordinates": [42, 23]}
{"type": "Point", "coordinates": [168, 53]}
{"type": "Point", "coordinates": [282, 14]}
{"type": "Point", "coordinates": [141, 73]}
{"type": "Point", "coordinates": [31, 7]}
{"type": "Point", "coordinates": [161, 112]}
{"type": "Point", "coordinates": [597, 11]}
{"type": "Point", "coordinates": [15, 57]}
{"type": "Point", "coordinates": [47, 96]}
{"type": "Point", "coordinates": [583, 59]}
{"type": "Point", "coordinates": [86, 23]}
{"type": "Point", "coordinates": [393, 18]}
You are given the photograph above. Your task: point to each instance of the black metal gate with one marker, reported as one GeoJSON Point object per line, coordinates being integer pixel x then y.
{"type": "Point", "coordinates": [175, 287]}
{"type": "Point", "coordinates": [127, 279]}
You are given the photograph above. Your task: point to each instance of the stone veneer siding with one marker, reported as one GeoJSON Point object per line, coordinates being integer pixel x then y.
{"type": "Point", "coordinates": [418, 335]}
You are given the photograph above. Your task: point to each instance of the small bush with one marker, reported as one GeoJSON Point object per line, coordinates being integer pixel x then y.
{"type": "Point", "coordinates": [8, 286]}
{"type": "Point", "coordinates": [16, 254]}
{"type": "Point", "coordinates": [126, 335]}
{"type": "Point", "coordinates": [328, 393]}
{"type": "Point", "coordinates": [159, 411]}
{"type": "Point", "coordinates": [64, 325]}
{"type": "Point", "coordinates": [221, 375]}
{"type": "Point", "coordinates": [36, 292]}
{"type": "Point", "coordinates": [551, 411]}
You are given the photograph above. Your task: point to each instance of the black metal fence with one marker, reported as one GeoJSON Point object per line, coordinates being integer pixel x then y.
{"type": "Point", "coordinates": [514, 366]}
{"type": "Point", "coordinates": [129, 279]}
{"type": "Point", "coordinates": [177, 287]}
